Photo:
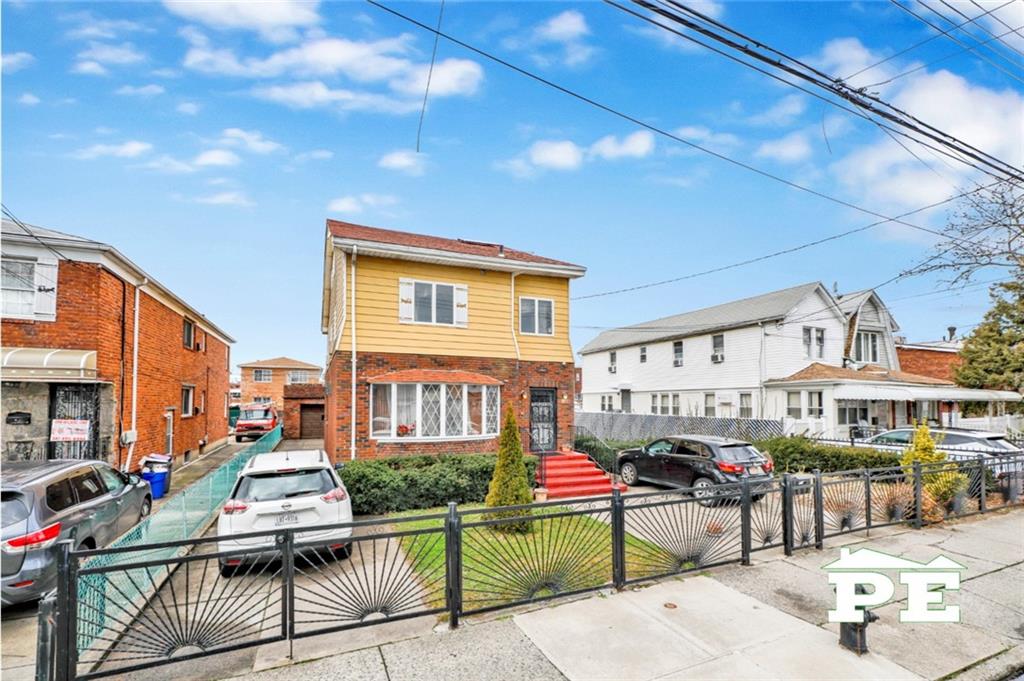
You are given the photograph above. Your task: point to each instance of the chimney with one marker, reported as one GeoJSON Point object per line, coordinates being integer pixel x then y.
{"type": "Point", "coordinates": [952, 332]}
{"type": "Point", "coordinates": [501, 251]}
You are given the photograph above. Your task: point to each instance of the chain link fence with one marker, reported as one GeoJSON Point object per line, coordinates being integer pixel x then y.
{"type": "Point", "coordinates": [614, 426]}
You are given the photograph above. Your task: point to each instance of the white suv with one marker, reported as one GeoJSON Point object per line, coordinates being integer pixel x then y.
{"type": "Point", "coordinates": [284, 490]}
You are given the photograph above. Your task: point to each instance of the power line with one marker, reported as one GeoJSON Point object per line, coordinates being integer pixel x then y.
{"type": "Point", "coordinates": [751, 47]}
{"type": "Point", "coordinates": [653, 128]}
{"type": "Point", "coordinates": [981, 26]}
{"type": "Point", "coordinates": [958, 41]}
{"type": "Point", "coordinates": [997, 17]}
{"type": "Point", "coordinates": [430, 75]}
{"type": "Point", "coordinates": [925, 41]}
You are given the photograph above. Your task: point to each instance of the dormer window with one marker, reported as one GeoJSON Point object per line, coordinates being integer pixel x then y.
{"type": "Point", "coordinates": [865, 347]}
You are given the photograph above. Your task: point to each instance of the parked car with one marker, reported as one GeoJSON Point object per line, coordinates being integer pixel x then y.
{"type": "Point", "coordinates": [957, 443]}
{"type": "Point", "coordinates": [286, 489]}
{"type": "Point", "coordinates": [44, 502]}
{"type": "Point", "coordinates": [255, 420]}
{"type": "Point", "coordinates": [695, 461]}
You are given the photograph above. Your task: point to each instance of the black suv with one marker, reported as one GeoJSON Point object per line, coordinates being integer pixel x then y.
{"type": "Point", "coordinates": [696, 461]}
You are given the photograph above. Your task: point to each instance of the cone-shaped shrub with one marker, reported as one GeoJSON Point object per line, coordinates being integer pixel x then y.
{"type": "Point", "coordinates": [509, 485]}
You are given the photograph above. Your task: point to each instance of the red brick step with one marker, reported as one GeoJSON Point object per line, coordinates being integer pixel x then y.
{"type": "Point", "coordinates": [573, 474]}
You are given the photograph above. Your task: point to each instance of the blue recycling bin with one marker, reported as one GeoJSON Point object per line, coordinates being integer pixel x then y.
{"type": "Point", "coordinates": [157, 483]}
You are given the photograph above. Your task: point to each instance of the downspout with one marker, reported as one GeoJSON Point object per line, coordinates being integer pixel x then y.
{"type": "Point", "coordinates": [512, 315]}
{"type": "Point", "coordinates": [352, 428]}
{"type": "Point", "coordinates": [135, 374]}
{"type": "Point", "coordinates": [761, 375]}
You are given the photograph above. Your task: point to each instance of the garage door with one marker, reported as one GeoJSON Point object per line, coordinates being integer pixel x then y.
{"type": "Point", "coordinates": [311, 421]}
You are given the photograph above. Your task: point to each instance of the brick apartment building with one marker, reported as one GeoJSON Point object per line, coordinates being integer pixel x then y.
{"type": "Point", "coordinates": [264, 381]}
{"type": "Point", "coordinates": [99, 360]}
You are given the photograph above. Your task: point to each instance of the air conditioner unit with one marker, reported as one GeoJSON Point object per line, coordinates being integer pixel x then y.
{"type": "Point", "coordinates": [611, 369]}
{"type": "Point", "coordinates": [718, 357]}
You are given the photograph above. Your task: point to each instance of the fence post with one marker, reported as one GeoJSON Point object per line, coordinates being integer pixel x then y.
{"type": "Point", "coordinates": [61, 616]}
{"type": "Point", "coordinates": [787, 513]}
{"type": "Point", "coordinates": [453, 563]}
{"type": "Point", "coordinates": [917, 496]}
{"type": "Point", "coordinates": [745, 539]}
{"type": "Point", "coordinates": [867, 499]}
{"type": "Point", "coordinates": [71, 618]}
{"type": "Point", "coordinates": [618, 540]}
{"type": "Point", "coordinates": [286, 544]}
{"type": "Point", "coordinates": [45, 638]}
{"type": "Point", "coordinates": [819, 512]}
{"type": "Point", "coordinates": [982, 485]}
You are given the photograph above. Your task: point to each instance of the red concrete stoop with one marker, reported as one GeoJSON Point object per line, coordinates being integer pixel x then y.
{"type": "Point", "coordinates": [574, 475]}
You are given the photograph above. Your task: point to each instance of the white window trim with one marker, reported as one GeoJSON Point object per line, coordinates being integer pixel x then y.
{"type": "Point", "coordinates": [812, 350]}
{"type": "Point", "coordinates": [269, 379]}
{"type": "Point", "coordinates": [444, 437]}
{"type": "Point", "coordinates": [676, 363]}
{"type": "Point", "coordinates": [643, 354]}
{"type": "Point", "coordinates": [191, 400]}
{"type": "Point", "coordinates": [433, 304]}
{"type": "Point", "coordinates": [44, 281]}
{"type": "Point", "coordinates": [536, 316]}
{"type": "Point", "coordinates": [31, 288]}
{"type": "Point", "coordinates": [864, 338]}
{"type": "Point", "coordinates": [305, 373]}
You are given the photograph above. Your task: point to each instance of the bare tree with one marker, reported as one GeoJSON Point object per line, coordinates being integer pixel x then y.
{"type": "Point", "coordinates": [985, 230]}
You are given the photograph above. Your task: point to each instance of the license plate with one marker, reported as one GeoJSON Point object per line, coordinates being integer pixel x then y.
{"type": "Point", "coordinates": [755, 470]}
{"type": "Point", "coordinates": [287, 519]}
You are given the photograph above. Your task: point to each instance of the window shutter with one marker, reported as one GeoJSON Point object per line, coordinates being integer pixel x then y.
{"type": "Point", "coordinates": [461, 305]}
{"type": "Point", "coordinates": [46, 290]}
{"type": "Point", "coordinates": [405, 298]}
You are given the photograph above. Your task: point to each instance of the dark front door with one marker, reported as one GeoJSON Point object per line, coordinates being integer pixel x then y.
{"type": "Point", "coordinates": [79, 402]}
{"type": "Point", "coordinates": [311, 421]}
{"type": "Point", "coordinates": [543, 419]}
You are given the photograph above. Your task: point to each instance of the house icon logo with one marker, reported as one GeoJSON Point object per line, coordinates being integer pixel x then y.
{"type": "Point", "coordinates": [875, 570]}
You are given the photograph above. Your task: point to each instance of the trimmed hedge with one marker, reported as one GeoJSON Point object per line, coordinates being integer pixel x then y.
{"type": "Point", "coordinates": [604, 455]}
{"type": "Point", "coordinates": [405, 483]}
{"type": "Point", "coordinates": [801, 455]}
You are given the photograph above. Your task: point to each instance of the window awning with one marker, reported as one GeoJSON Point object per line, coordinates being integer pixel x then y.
{"type": "Point", "coordinates": [435, 376]}
{"type": "Point", "coordinates": [47, 365]}
{"type": "Point", "coordinates": [909, 393]}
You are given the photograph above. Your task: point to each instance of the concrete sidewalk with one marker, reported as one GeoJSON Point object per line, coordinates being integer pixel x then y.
{"type": "Point", "coordinates": [762, 621]}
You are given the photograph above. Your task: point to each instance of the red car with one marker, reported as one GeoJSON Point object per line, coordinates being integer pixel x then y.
{"type": "Point", "coordinates": [255, 420]}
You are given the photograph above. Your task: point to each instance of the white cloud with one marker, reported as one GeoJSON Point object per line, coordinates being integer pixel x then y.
{"type": "Point", "coordinates": [89, 68]}
{"type": "Point", "coordinates": [450, 77]}
{"type": "Point", "coordinates": [565, 33]}
{"type": "Point", "coordinates": [129, 149]}
{"type": "Point", "coordinates": [16, 61]}
{"type": "Point", "coordinates": [792, 148]}
{"type": "Point", "coordinates": [105, 53]}
{"type": "Point", "coordinates": [90, 26]}
{"type": "Point", "coordinates": [636, 145]}
{"type": "Point", "coordinates": [216, 157]}
{"type": "Point", "coordinates": [251, 140]}
{"type": "Point", "coordinates": [274, 20]}
{"type": "Point", "coordinates": [233, 198]}
{"type": "Point", "coordinates": [555, 154]}
{"type": "Point", "coordinates": [150, 90]}
{"type": "Point", "coordinates": [782, 112]}
{"type": "Point", "coordinates": [187, 108]}
{"type": "Point", "coordinates": [165, 72]}
{"type": "Point", "coordinates": [308, 95]}
{"type": "Point", "coordinates": [314, 155]}
{"type": "Point", "coordinates": [698, 134]}
{"type": "Point", "coordinates": [28, 99]}
{"type": "Point", "coordinates": [844, 57]}
{"type": "Point", "coordinates": [403, 160]}
{"type": "Point", "coordinates": [168, 164]}
{"type": "Point", "coordinates": [357, 203]}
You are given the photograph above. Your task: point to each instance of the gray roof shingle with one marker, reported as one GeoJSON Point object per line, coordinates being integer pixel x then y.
{"type": "Point", "coordinates": [765, 307]}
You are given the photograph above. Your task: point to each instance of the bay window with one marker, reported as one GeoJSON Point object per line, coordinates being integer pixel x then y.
{"type": "Point", "coordinates": [434, 410]}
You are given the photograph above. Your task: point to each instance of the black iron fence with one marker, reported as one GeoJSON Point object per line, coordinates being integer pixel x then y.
{"type": "Point", "coordinates": [212, 595]}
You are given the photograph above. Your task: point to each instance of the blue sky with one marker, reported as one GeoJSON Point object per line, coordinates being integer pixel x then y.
{"type": "Point", "coordinates": [209, 141]}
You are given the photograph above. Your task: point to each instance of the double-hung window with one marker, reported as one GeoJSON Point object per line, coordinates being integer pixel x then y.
{"type": "Point", "coordinates": [298, 376]}
{"type": "Point", "coordinates": [718, 347]}
{"type": "Point", "coordinates": [709, 404]}
{"type": "Point", "coordinates": [793, 408]}
{"type": "Point", "coordinates": [664, 403]}
{"type": "Point", "coordinates": [675, 404]}
{"type": "Point", "coordinates": [188, 400]}
{"type": "Point", "coordinates": [19, 288]}
{"type": "Point", "coordinates": [814, 342]}
{"type": "Point", "coordinates": [643, 354]}
{"type": "Point", "coordinates": [677, 353]}
{"type": "Point", "coordinates": [431, 302]}
{"type": "Point", "coordinates": [262, 375]}
{"type": "Point", "coordinates": [746, 406]}
{"type": "Point", "coordinates": [188, 334]}
{"type": "Point", "coordinates": [612, 359]}
{"type": "Point", "coordinates": [434, 410]}
{"type": "Point", "coordinates": [654, 403]}
{"type": "Point", "coordinates": [537, 316]}
{"type": "Point", "coordinates": [815, 405]}
{"type": "Point", "coordinates": [866, 346]}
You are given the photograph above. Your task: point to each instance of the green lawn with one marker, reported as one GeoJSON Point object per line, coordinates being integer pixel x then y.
{"type": "Point", "coordinates": [556, 555]}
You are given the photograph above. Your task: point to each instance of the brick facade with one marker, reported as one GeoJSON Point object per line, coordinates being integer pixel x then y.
{"type": "Point", "coordinates": [517, 378]}
{"type": "Point", "coordinates": [95, 311]}
{"type": "Point", "coordinates": [934, 363]}
{"type": "Point", "coordinates": [295, 396]}
{"type": "Point", "coordinates": [274, 389]}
